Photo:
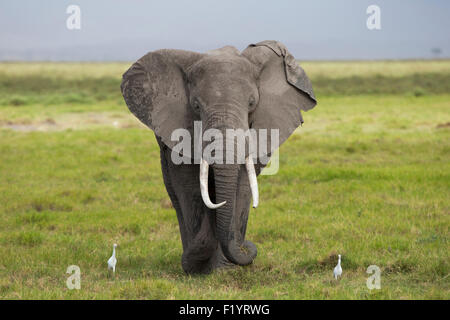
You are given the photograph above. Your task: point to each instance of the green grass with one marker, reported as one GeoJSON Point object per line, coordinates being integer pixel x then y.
{"type": "Point", "coordinates": [367, 176]}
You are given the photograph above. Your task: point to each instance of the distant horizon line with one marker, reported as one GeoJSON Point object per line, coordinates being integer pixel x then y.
{"type": "Point", "coordinates": [300, 60]}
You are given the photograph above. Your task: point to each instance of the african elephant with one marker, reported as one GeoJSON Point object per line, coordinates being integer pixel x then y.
{"type": "Point", "coordinates": [262, 87]}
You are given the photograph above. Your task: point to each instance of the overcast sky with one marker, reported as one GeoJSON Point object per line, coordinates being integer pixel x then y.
{"type": "Point", "coordinates": [312, 30]}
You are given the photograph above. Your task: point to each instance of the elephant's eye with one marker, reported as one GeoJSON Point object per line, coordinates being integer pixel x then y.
{"type": "Point", "coordinates": [251, 102]}
{"type": "Point", "coordinates": [196, 105]}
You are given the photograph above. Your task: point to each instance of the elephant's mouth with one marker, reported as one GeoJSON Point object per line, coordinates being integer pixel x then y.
{"type": "Point", "coordinates": [204, 174]}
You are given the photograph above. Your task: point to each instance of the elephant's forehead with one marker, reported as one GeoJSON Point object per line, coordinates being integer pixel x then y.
{"type": "Point", "coordinates": [220, 65]}
{"type": "Point", "coordinates": [218, 77]}
{"type": "Point", "coordinates": [224, 81]}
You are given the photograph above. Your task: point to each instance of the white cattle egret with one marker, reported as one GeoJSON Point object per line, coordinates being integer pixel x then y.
{"type": "Point", "coordinates": [112, 261]}
{"type": "Point", "coordinates": [338, 269]}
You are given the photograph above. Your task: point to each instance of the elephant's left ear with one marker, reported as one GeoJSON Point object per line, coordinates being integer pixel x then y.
{"type": "Point", "coordinates": [284, 90]}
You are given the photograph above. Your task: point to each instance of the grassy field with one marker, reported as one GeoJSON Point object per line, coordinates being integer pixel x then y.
{"type": "Point", "coordinates": [367, 177]}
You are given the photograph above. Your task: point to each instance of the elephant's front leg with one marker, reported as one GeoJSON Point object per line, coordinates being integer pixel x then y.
{"type": "Point", "coordinates": [200, 254]}
{"type": "Point", "coordinates": [196, 221]}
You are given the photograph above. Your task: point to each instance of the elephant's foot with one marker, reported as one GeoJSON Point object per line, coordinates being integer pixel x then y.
{"type": "Point", "coordinates": [197, 261]}
{"type": "Point", "coordinates": [205, 259]}
{"type": "Point", "coordinates": [198, 256]}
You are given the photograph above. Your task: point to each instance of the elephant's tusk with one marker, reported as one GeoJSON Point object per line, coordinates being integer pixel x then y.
{"type": "Point", "coordinates": [252, 180]}
{"type": "Point", "coordinates": [204, 169]}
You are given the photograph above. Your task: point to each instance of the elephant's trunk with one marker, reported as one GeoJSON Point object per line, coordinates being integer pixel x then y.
{"type": "Point", "coordinates": [234, 248]}
{"type": "Point", "coordinates": [226, 177]}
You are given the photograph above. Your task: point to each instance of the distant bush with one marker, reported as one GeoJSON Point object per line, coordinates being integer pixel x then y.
{"type": "Point", "coordinates": [418, 92]}
{"type": "Point", "coordinates": [23, 90]}
{"type": "Point", "coordinates": [17, 101]}
{"type": "Point", "coordinates": [417, 84]}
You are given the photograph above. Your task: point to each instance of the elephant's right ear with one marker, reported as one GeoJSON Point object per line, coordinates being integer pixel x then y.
{"type": "Point", "coordinates": [155, 91]}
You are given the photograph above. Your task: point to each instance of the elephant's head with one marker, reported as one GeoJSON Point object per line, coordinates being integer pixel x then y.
{"type": "Point", "coordinates": [261, 88]}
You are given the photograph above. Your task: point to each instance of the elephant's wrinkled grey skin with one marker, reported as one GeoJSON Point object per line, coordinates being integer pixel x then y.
{"type": "Point", "coordinates": [261, 88]}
